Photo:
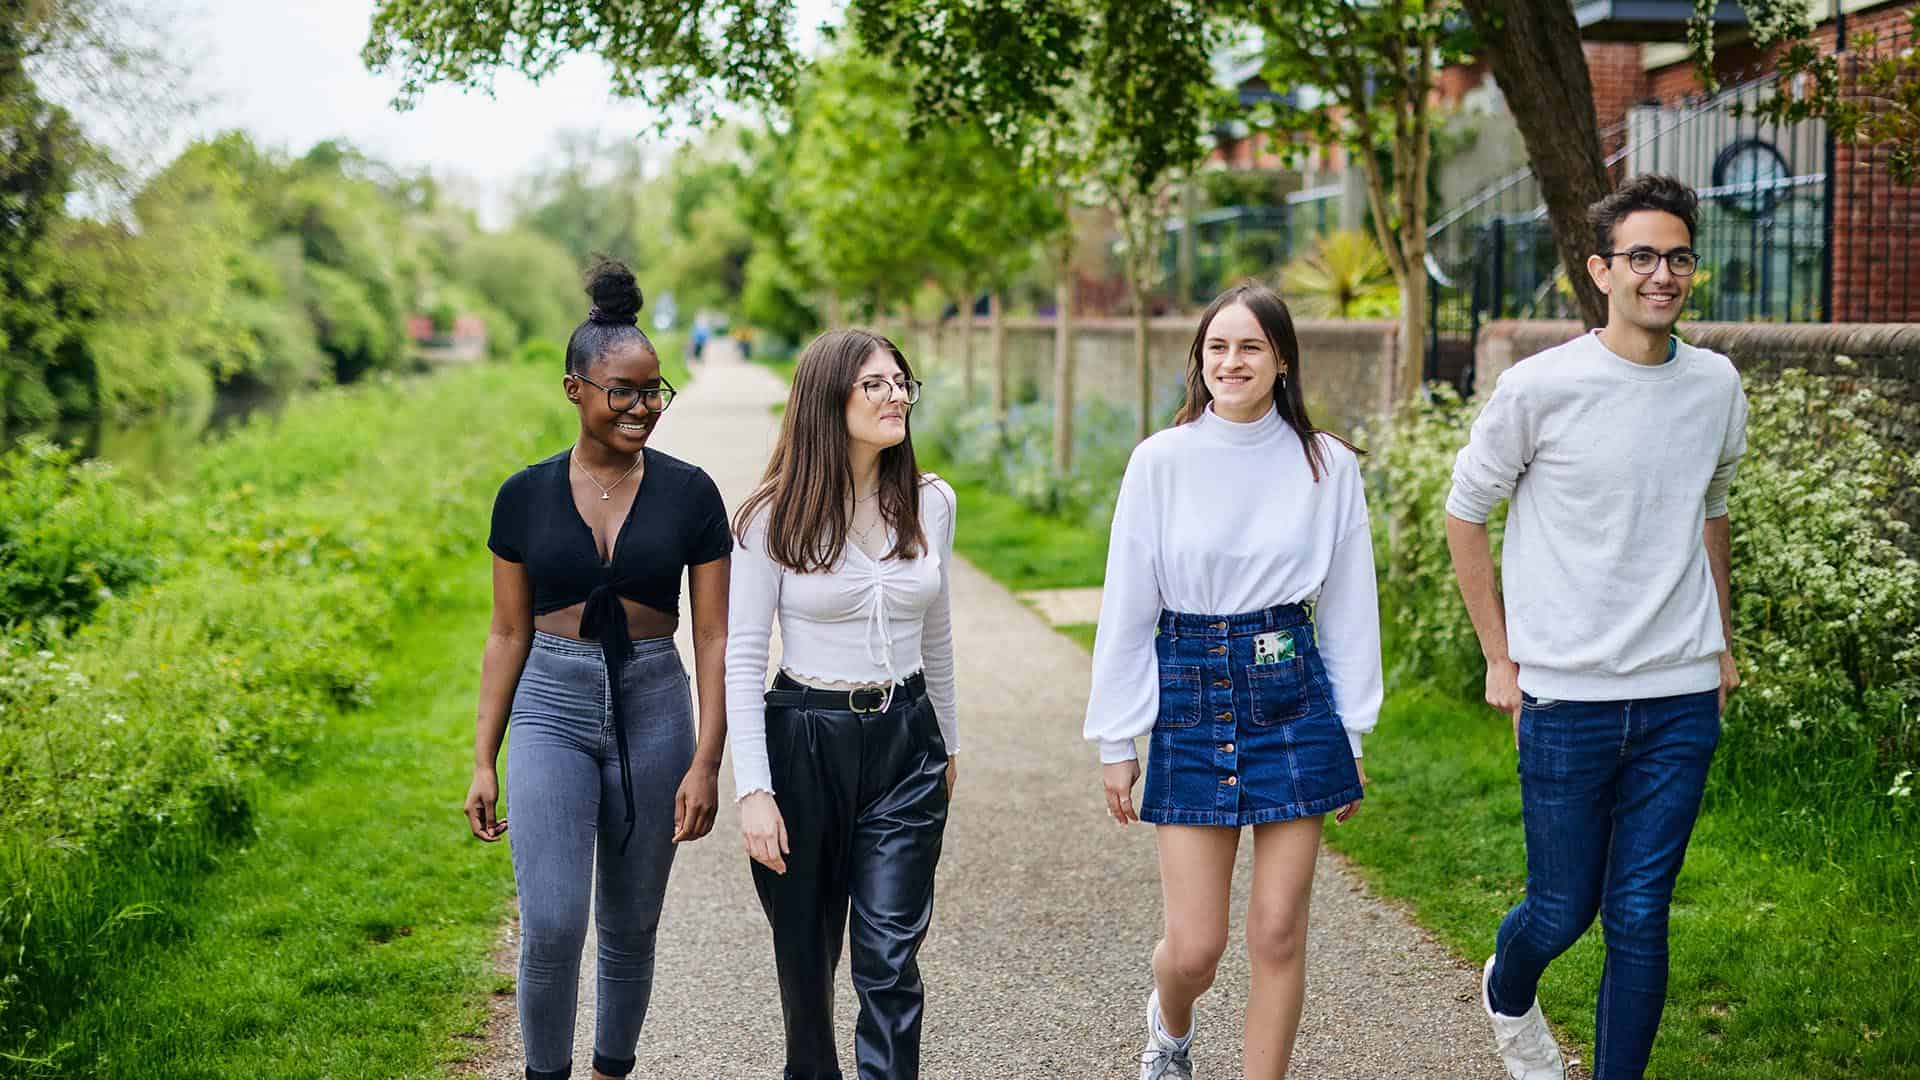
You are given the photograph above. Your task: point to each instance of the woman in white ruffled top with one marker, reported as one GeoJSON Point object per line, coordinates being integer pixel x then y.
{"type": "Point", "coordinates": [844, 767]}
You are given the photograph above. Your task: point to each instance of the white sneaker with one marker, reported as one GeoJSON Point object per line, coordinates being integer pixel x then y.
{"type": "Point", "coordinates": [1163, 1059]}
{"type": "Point", "coordinates": [1526, 1046]}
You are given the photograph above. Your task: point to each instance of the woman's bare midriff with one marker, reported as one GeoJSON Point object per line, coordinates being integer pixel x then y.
{"type": "Point", "coordinates": [830, 684]}
{"type": "Point", "coordinates": [642, 621]}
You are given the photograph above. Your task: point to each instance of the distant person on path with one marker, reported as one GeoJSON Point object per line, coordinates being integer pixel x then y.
{"type": "Point", "coordinates": [697, 341]}
{"type": "Point", "coordinates": [605, 773]}
{"type": "Point", "coordinates": [1610, 646]}
{"type": "Point", "coordinates": [845, 767]}
{"type": "Point", "coordinates": [1241, 536]}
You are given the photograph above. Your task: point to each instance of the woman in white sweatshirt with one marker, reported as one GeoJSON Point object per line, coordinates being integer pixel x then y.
{"type": "Point", "coordinates": [1240, 629]}
{"type": "Point", "coordinates": [844, 768]}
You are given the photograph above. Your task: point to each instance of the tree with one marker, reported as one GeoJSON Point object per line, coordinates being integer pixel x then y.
{"type": "Point", "coordinates": [1117, 93]}
{"type": "Point", "coordinates": [869, 217]}
{"type": "Point", "coordinates": [989, 216]}
{"type": "Point", "coordinates": [680, 53]}
{"type": "Point", "coordinates": [1371, 69]}
{"type": "Point", "coordinates": [587, 200]}
{"type": "Point", "coordinates": [1534, 51]}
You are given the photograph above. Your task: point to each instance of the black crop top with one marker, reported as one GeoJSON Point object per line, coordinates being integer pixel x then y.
{"type": "Point", "coordinates": [677, 520]}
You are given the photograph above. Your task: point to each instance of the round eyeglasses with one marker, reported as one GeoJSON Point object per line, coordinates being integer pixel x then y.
{"type": "Point", "coordinates": [625, 398]}
{"type": "Point", "coordinates": [881, 390]}
{"type": "Point", "coordinates": [1644, 261]}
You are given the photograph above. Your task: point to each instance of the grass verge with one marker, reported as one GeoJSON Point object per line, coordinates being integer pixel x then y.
{"type": "Point", "coordinates": [349, 935]}
{"type": "Point", "coordinates": [1017, 547]}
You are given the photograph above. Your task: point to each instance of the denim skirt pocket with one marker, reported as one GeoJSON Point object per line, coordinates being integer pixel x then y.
{"type": "Point", "coordinates": [1279, 692]}
{"type": "Point", "coordinates": [1181, 702]}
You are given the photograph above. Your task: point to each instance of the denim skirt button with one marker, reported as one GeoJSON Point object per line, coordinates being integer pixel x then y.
{"type": "Point", "coordinates": [1232, 781]}
{"type": "Point", "coordinates": [1227, 749]}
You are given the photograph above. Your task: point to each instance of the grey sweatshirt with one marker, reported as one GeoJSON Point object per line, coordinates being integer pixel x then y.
{"type": "Point", "coordinates": [1613, 468]}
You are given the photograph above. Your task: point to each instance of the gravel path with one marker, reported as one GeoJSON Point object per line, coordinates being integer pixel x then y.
{"type": "Point", "coordinates": [1036, 965]}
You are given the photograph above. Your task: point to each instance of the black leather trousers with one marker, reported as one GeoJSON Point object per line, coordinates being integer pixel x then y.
{"type": "Point", "coordinates": [864, 797]}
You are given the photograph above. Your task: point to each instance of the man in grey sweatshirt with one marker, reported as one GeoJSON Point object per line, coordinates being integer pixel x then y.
{"type": "Point", "coordinates": [1609, 639]}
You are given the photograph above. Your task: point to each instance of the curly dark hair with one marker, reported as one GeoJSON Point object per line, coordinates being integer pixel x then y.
{"type": "Point", "coordinates": [1648, 191]}
{"type": "Point", "coordinates": [614, 317]}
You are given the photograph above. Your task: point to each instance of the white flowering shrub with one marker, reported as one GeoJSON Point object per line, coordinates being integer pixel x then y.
{"type": "Point", "coordinates": [1826, 593]}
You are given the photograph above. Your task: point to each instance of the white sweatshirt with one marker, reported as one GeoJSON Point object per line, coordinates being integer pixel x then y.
{"type": "Point", "coordinates": [1613, 468]}
{"type": "Point", "coordinates": [863, 621]}
{"type": "Point", "coordinates": [1223, 518]}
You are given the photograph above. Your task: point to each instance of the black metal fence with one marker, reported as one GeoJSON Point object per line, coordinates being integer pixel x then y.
{"type": "Point", "coordinates": [1792, 227]}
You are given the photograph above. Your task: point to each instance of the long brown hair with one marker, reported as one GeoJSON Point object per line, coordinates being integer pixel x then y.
{"type": "Point", "coordinates": [1288, 397]}
{"type": "Point", "coordinates": [810, 477]}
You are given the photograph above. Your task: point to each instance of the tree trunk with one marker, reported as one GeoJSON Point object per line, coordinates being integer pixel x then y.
{"type": "Point", "coordinates": [1188, 246]}
{"type": "Point", "coordinates": [965, 326]}
{"type": "Point", "coordinates": [1063, 372]}
{"type": "Point", "coordinates": [1413, 336]}
{"type": "Point", "coordinates": [1142, 361]}
{"type": "Point", "coordinates": [997, 345]}
{"type": "Point", "coordinates": [1534, 51]}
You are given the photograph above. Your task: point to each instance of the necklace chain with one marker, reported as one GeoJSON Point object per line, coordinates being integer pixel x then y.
{"type": "Point", "coordinates": [606, 490]}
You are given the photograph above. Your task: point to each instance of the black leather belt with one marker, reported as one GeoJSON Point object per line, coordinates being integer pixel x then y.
{"type": "Point", "coordinates": [788, 694]}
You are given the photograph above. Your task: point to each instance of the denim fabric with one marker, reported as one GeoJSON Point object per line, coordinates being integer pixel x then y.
{"type": "Point", "coordinates": [1240, 743]}
{"type": "Point", "coordinates": [1609, 791]}
{"type": "Point", "coordinates": [563, 786]}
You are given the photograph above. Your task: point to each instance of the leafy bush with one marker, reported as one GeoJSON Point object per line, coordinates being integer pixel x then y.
{"type": "Point", "coordinates": [70, 538]}
{"type": "Point", "coordinates": [128, 751]}
{"type": "Point", "coordinates": [1424, 626]}
{"type": "Point", "coordinates": [1017, 456]}
{"type": "Point", "coordinates": [1826, 603]}
{"type": "Point", "coordinates": [1826, 600]}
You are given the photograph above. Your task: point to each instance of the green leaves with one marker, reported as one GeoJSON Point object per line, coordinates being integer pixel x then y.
{"type": "Point", "coordinates": [678, 55]}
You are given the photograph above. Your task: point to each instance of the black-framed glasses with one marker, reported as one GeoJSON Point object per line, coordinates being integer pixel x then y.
{"type": "Point", "coordinates": [880, 390]}
{"type": "Point", "coordinates": [625, 398]}
{"type": "Point", "coordinates": [1644, 261]}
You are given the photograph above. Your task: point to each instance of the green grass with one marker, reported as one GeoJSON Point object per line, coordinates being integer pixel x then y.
{"type": "Point", "coordinates": [781, 365]}
{"type": "Point", "coordinates": [1081, 632]}
{"type": "Point", "coordinates": [1017, 547]}
{"type": "Point", "coordinates": [1796, 924]}
{"type": "Point", "coordinates": [1791, 960]}
{"type": "Point", "coordinates": [349, 936]}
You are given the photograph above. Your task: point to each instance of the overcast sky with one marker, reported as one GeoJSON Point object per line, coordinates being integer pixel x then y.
{"type": "Point", "coordinates": [290, 74]}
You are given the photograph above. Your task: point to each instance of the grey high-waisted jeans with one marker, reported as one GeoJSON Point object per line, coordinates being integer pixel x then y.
{"type": "Point", "coordinates": [565, 803]}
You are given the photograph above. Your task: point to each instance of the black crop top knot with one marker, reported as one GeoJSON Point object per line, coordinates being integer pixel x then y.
{"type": "Point", "coordinates": [677, 520]}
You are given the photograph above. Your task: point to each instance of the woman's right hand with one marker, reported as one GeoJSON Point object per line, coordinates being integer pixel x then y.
{"type": "Point", "coordinates": [1119, 777]}
{"type": "Point", "coordinates": [482, 796]}
{"type": "Point", "coordinates": [766, 831]}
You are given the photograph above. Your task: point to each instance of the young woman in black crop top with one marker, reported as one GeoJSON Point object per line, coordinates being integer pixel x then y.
{"type": "Point", "coordinates": [588, 549]}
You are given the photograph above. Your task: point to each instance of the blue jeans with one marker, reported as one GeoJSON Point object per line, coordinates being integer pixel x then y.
{"type": "Point", "coordinates": [565, 800]}
{"type": "Point", "coordinates": [1609, 791]}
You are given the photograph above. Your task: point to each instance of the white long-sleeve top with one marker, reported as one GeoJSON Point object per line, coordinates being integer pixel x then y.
{"type": "Point", "coordinates": [863, 621]}
{"type": "Point", "coordinates": [1222, 518]}
{"type": "Point", "coordinates": [1613, 468]}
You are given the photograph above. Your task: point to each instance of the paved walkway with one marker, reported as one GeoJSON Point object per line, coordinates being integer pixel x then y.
{"type": "Point", "coordinates": [1036, 965]}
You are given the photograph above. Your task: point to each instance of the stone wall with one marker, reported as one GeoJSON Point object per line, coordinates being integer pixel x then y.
{"type": "Point", "coordinates": [1343, 365]}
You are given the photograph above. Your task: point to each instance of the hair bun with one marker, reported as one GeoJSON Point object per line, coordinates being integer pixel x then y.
{"type": "Point", "coordinates": [616, 295]}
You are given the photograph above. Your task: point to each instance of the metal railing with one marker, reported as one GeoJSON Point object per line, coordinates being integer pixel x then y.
{"type": "Point", "coordinates": [1791, 226]}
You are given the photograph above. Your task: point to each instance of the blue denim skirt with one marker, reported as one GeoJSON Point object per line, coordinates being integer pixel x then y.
{"type": "Point", "coordinates": [1247, 731]}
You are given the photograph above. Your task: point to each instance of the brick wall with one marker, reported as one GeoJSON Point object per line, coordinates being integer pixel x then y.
{"type": "Point", "coordinates": [1618, 80]}
{"type": "Point", "coordinates": [1876, 241]}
